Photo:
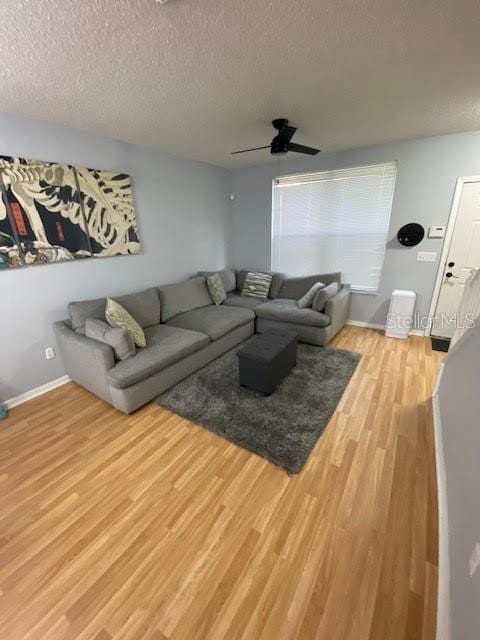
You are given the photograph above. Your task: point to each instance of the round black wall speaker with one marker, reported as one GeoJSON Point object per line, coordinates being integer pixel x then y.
{"type": "Point", "coordinates": [411, 234]}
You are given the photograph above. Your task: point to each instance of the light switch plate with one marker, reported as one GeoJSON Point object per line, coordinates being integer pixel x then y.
{"type": "Point", "coordinates": [426, 256]}
{"type": "Point", "coordinates": [436, 232]}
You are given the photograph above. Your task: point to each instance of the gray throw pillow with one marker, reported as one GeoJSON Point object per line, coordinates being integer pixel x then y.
{"type": "Point", "coordinates": [324, 295]}
{"type": "Point", "coordinates": [307, 300]}
{"type": "Point", "coordinates": [216, 288]}
{"type": "Point", "coordinates": [119, 339]}
{"type": "Point", "coordinates": [257, 285]}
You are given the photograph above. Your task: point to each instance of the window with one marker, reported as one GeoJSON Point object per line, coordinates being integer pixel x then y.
{"type": "Point", "coordinates": [334, 221]}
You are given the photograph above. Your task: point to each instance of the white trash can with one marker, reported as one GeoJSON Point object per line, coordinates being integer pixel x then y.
{"type": "Point", "coordinates": [400, 314]}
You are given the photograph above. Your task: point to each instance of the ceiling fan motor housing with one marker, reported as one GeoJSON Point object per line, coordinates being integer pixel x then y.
{"type": "Point", "coordinates": [279, 147]}
{"type": "Point", "coordinates": [279, 123]}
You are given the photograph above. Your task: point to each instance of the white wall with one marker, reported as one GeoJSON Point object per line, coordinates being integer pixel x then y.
{"type": "Point", "coordinates": [458, 439]}
{"type": "Point", "coordinates": [183, 214]}
{"type": "Point", "coordinates": [427, 172]}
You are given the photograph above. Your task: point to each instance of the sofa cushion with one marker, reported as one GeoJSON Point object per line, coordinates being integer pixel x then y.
{"type": "Point", "coordinates": [144, 306]}
{"type": "Point", "coordinates": [295, 288]}
{"type": "Point", "coordinates": [165, 346]}
{"type": "Point", "coordinates": [274, 287]}
{"type": "Point", "coordinates": [305, 333]}
{"type": "Point", "coordinates": [183, 296]}
{"type": "Point", "coordinates": [227, 275]}
{"type": "Point", "coordinates": [83, 309]}
{"type": "Point", "coordinates": [212, 320]}
{"type": "Point", "coordinates": [117, 338]}
{"type": "Point", "coordinates": [285, 310]}
{"type": "Point", "coordinates": [246, 302]}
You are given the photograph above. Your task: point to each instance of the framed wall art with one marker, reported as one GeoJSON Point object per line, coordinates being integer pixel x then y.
{"type": "Point", "coordinates": [54, 212]}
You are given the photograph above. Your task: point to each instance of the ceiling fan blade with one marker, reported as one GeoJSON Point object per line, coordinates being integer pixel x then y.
{"type": "Point", "coordinates": [285, 134]}
{"type": "Point", "coordinates": [300, 148]}
{"type": "Point", "coordinates": [247, 150]}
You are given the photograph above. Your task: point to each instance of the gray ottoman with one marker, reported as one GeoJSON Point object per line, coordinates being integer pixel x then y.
{"type": "Point", "coordinates": [265, 361]}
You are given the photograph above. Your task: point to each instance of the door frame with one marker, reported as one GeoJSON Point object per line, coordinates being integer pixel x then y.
{"type": "Point", "coordinates": [446, 245]}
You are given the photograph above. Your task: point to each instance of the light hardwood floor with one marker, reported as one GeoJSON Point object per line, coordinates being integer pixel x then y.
{"type": "Point", "coordinates": [149, 527]}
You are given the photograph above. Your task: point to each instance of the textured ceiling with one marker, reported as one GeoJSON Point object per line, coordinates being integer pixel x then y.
{"type": "Point", "coordinates": [200, 78]}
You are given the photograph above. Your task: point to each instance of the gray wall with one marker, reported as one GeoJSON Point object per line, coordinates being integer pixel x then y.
{"type": "Point", "coordinates": [427, 172]}
{"type": "Point", "coordinates": [183, 214]}
{"type": "Point", "coordinates": [459, 409]}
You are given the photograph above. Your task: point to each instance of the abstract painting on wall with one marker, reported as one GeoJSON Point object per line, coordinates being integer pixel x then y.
{"type": "Point", "coordinates": [53, 212]}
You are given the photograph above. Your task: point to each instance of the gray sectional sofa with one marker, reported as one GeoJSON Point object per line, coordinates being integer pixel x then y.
{"type": "Point", "coordinates": [185, 331]}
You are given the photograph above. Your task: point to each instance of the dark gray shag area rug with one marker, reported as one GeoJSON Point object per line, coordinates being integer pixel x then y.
{"type": "Point", "coordinates": [283, 427]}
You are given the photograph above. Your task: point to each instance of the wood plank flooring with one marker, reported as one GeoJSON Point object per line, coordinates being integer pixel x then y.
{"type": "Point", "coordinates": [149, 527]}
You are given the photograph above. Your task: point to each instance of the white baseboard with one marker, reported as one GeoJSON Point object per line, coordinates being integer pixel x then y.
{"type": "Point", "coordinates": [33, 393]}
{"type": "Point", "coordinates": [443, 603]}
{"type": "Point", "coordinates": [367, 325]}
{"type": "Point", "coordinates": [381, 327]}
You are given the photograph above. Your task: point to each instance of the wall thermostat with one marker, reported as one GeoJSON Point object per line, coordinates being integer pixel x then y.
{"type": "Point", "coordinates": [436, 232]}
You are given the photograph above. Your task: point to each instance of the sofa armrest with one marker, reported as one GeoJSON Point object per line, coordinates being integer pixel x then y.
{"type": "Point", "coordinates": [337, 309]}
{"type": "Point", "coordinates": [85, 360]}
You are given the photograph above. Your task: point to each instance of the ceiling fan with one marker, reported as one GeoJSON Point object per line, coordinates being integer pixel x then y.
{"type": "Point", "coordinates": [281, 144]}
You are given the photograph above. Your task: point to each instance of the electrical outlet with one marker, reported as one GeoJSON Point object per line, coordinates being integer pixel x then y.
{"type": "Point", "coordinates": [426, 256]}
{"type": "Point", "coordinates": [474, 559]}
{"type": "Point", "coordinates": [49, 353]}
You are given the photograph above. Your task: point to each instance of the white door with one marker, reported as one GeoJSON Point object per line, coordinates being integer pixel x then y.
{"type": "Point", "coordinates": [463, 257]}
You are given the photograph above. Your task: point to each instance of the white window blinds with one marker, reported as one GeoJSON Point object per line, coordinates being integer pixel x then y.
{"type": "Point", "coordinates": [334, 221]}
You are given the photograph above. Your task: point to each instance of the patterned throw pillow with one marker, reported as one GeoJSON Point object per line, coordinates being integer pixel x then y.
{"type": "Point", "coordinates": [307, 300]}
{"type": "Point", "coordinates": [117, 316]}
{"type": "Point", "coordinates": [216, 288]}
{"type": "Point", "coordinates": [257, 285]}
{"type": "Point", "coordinates": [324, 295]}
